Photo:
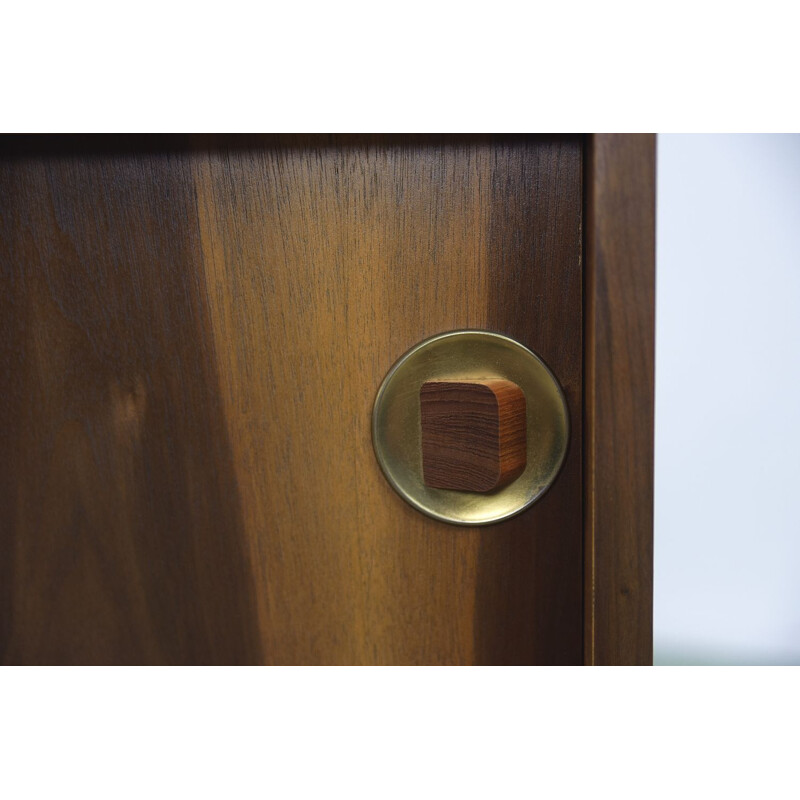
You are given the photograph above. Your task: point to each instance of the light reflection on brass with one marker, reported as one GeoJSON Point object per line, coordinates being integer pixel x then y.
{"type": "Point", "coordinates": [469, 355]}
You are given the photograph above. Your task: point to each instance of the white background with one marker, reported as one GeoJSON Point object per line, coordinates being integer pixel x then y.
{"type": "Point", "coordinates": [727, 487]}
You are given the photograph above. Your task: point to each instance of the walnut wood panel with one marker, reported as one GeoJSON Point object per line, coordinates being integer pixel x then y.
{"type": "Point", "coordinates": [122, 530]}
{"type": "Point", "coordinates": [620, 355]}
{"type": "Point", "coordinates": [192, 338]}
{"type": "Point", "coordinates": [473, 434]}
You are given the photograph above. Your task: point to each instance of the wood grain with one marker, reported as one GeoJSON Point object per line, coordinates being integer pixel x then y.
{"type": "Point", "coordinates": [192, 337]}
{"type": "Point", "coordinates": [122, 531]}
{"type": "Point", "coordinates": [620, 354]}
{"type": "Point", "coordinates": [473, 434]}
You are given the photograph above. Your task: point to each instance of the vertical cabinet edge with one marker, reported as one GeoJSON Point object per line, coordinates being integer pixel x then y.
{"type": "Point", "coordinates": [619, 386]}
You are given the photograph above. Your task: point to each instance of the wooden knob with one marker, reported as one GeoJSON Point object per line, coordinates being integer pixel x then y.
{"type": "Point", "coordinates": [474, 436]}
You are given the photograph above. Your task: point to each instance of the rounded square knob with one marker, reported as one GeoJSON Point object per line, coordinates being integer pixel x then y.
{"type": "Point", "coordinates": [474, 436]}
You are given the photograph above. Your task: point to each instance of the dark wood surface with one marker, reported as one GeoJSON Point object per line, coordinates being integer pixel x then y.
{"type": "Point", "coordinates": [193, 333]}
{"type": "Point", "coordinates": [619, 404]}
{"type": "Point", "coordinates": [473, 434]}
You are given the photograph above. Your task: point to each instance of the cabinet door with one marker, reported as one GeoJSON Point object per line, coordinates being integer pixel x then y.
{"type": "Point", "coordinates": [193, 333]}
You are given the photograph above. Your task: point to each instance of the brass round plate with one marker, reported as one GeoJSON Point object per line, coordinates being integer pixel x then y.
{"type": "Point", "coordinates": [469, 355]}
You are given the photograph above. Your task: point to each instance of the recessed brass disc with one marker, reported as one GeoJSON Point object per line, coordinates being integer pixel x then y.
{"type": "Point", "coordinates": [469, 355]}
